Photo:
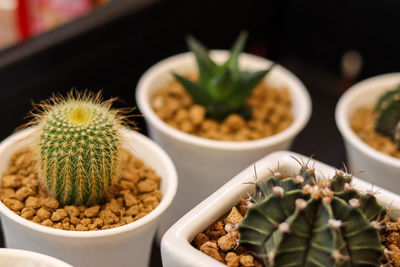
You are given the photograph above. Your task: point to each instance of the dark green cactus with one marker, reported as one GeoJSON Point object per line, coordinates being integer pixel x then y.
{"type": "Point", "coordinates": [388, 112]}
{"type": "Point", "coordinates": [302, 221]}
{"type": "Point", "coordinates": [78, 147]}
{"type": "Point", "coordinates": [221, 89]}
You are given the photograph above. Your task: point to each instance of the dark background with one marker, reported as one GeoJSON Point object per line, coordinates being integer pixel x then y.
{"type": "Point", "coordinates": [113, 46]}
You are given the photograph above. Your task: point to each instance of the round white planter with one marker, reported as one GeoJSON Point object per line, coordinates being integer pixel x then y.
{"type": "Point", "coordinates": [203, 164]}
{"type": "Point", "coordinates": [120, 246]}
{"type": "Point", "coordinates": [24, 258]}
{"type": "Point", "coordinates": [377, 167]}
{"type": "Point", "coordinates": [176, 250]}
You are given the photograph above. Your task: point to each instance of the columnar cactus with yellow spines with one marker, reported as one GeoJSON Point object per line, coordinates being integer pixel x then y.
{"type": "Point", "coordinates": [302, 221]}
{"type": "Point", "coordinates": [78, 147]}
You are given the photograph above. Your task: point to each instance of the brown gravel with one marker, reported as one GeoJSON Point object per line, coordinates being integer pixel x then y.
{"type": "Point", "coordinates": [363, 124]}
{"type": "Point", "coordinates": [135, 195]}
{"type": "Point", "coordinates": [391, 238]}
{"type": "Point", "coordinates": [271, 114]}
{"type": "Point", "coordinates": [220, 241]}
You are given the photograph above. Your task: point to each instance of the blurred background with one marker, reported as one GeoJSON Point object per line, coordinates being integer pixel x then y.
{"type": "Point", "coordinates": [49, 46]}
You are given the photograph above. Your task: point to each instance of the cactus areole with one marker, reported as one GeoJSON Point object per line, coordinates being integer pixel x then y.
{"type": "Point", "coordinates": [77, 145]}
{"type": "Point", "coordinates": [310, 222]}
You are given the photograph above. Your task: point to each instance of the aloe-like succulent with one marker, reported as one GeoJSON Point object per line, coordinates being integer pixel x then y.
{"type": "Point", "coordinates": [77, 145]}
{"type": "Point", "coordinates": [221, 89]}
{"type": "Point", "coordinates": [303, 221]}
{"type": "Point", "coordinates": [388, 112]}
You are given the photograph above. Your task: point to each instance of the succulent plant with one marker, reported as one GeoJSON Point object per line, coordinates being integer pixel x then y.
{"type": "Point", "coordinates": [77, 145]}
{"type": "Point", "coordinates": [221, 89]}
{"type": "Point", "coordinates": [388, 113]}
{"type": "Point", "coordinates": [305, 221]}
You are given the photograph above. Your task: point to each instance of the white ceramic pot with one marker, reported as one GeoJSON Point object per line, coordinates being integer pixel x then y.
{"type": "Point", "coordinates": [377, 168]}
{"type": "Point", "coordinates": [176, 250]}
{"type": "Point", "coordinates": [23, 258]}
{"type": "Point", "coordinates": [204, 165]}
{"type": "Point", "coordinates": [121, 246]}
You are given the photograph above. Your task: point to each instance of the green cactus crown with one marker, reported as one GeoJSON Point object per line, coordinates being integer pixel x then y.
{"type": "Point", "coordinates": [388, 115]}
{"type": "Point", "coordinates": [302, 221]}
{"type": "Point", "coordinates": [221, 89]}
{"type": "Point", "coordinates": [77, 145]}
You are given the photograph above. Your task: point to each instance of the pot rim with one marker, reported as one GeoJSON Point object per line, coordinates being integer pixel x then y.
{"type": "Point", "coordinates": [26, 254]}
{"type": "Point", "coordinates": [167, 65]}
{"type": "Point", "coordinates": [166, 200]}
{"type": "Point", "coordinates": [348, 99]}
{"type": "Point", "coordinates": [175, 245]}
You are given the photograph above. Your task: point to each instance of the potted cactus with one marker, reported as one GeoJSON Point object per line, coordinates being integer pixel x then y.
{"type": "Point", "coordinates": [287, 216]}
{"type": "Point", "coordinates": [80, 182]}
{"type": "Point", "coordinates": [210, 111]}
{"type": "Point", "coordinates": [367, 116]}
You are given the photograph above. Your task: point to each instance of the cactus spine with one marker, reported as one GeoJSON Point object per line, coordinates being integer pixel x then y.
{"type": "Point", "coordinates": [388, 115]}
{"type": "Point", "coordinates": [77, 147]}
{"type": "Point", "coordinates": [302, 221]}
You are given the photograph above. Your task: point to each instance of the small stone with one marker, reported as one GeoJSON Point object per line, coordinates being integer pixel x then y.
{"type": "Point", "coordinates": [23, 193]}
{"type": "Point", "coordinates": [246, 260]}
{"type": "Point", "coordinates": [200, 239]}
{"type": "Point", "coordinates": [127, 219]}
{"type": "Point", "coordinates": [27, 213]}
{"type": "Point", "coordinates": [43, 214]}
{"type": "Point", "coordinates": [130, 199]}
{"type": "Point", "coordinates": [32, 202]}
{"type": "Point", "coordinates": [228, 241]}
{"type": "Point", "coordinates": [211, 249]}
{"type": "Point", "coordinates": [47, 222]}
{"type": "Point", "coordinates": [147, 186]}
{"type": "Point", "coordinates": [72, 211]}
{"type": "Point", "coordinates": [85, 221]}
{"type": "Point", "coordinates": [132, 211]}
{"type": "Point", "coordinates": [74, 220]}
{"type": "Point", "coordinates": [234, 216]}
{"type": "Point", "coordinates": [99, 222]}
{"type": "Point", "coordinates": [197, 114]}
{"type": "Point", "coordinates": [92, 211]}
{"type": "Point", "coordinates": [114, 206]}
{"type": "Point", "coordinates": [232, 259]}
{"type": "Point", "coordinates": [58, 215]}
{"type": "Point", "coordinates": [11, 181]}
{"type": "Point", "coordinates": [51, 203]}
{"type": "Point", "coordinates": [234, 122]}
{"type": "Point", "coordinates": [80, 227]}
{"type": "Point", "coordinates": [13, 204]}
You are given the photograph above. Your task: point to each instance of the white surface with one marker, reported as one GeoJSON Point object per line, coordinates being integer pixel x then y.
{"type": "Point", "coordinates": [203, 164]}
{"type": "Point", "coordinates": [377, 167]}
{"type": "Point", "coordinates": [120, 246]}
{"type": "Point", "coordinates": [176, 250]}
{"type": "Point", "coordinates": [23, 258]}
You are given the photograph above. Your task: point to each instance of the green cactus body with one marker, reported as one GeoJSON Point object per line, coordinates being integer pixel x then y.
{"type": "Point", "coordinates": [221, 89]}
{"type": "Point", "coordinates": [388, 112]}
{"type": "Point", "coordinates": [397, 135]}
{"type": "Point", "coordinates": [296, 222]}
{"type": "Point", "coordinates": [78, 148]}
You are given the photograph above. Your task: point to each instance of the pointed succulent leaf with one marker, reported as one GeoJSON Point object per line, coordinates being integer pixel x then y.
{"type": "Point", "coordinates": [199, 95]}
{"type": "Point", "coordinates": [207, 67]}
{"type": "Point", "coordinates": [247, 82]}
{"type": "Point", "coordinates": [233, 61]}
{"type": "Point", "coordinates": [221, 86]}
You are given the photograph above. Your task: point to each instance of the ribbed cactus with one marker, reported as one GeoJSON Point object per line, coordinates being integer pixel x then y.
{"type": "Point", "coordinates": [302, 221]}
{"type": "Point", "coordinates": [388, 112]}
{"type": "Point", "coordinates": [78, 147]}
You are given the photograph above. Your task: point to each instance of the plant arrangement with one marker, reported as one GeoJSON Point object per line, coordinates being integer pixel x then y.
{"type": "Point", "coordinates": [87, 180]}
{"type": "Point", "coordinates": [301, 220]}
{"type": "Point", "coordinates": [221, 101]}
{"type": "Point", "coordinates": [221, 88]}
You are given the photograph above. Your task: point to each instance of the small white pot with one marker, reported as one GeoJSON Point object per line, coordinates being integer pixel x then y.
{"type": "Point", "coordinates": [377, 168]}
{"type": "Point", "coordinates": [121, 246]}
{"type": "Point", "coordinates": [176, 250]}
{"type": "Point", "coordinates": [203, 164]}
{"type": "Point", "coordinates": [23, 258]}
